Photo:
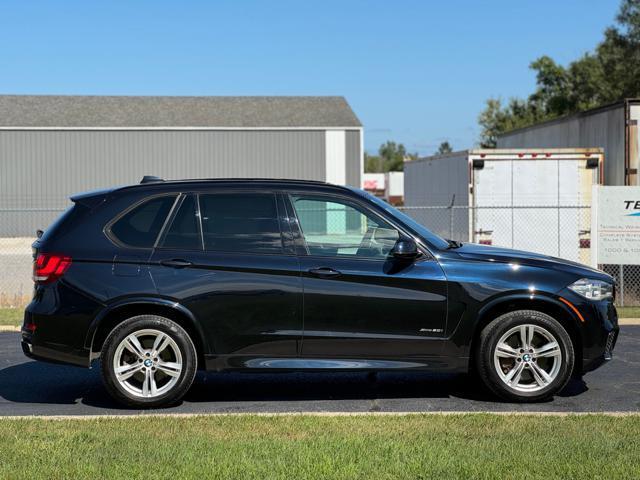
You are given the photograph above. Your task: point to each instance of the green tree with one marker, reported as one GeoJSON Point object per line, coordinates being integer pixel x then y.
{"type": "Point", "coordinates": [445, 147]}
{"type": "Point", "coordinates": [608, 74]}
{"type": "Point", "coordinates": [372, 163]}
{"type": "Point", "coordinates": [391, 157]}
{"type": "Point", "coordinates": [497, 118]}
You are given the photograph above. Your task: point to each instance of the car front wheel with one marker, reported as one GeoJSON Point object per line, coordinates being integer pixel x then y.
{"type": "Point", "coordinates": [525, 356]}
{"type": "Point", "coordinates": [148, 361]}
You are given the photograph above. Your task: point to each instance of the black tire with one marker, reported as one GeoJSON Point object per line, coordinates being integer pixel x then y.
{"type": "Point", "coordinates": [488, 341]}
{"type": "Point", "coordinates": [149, 322]}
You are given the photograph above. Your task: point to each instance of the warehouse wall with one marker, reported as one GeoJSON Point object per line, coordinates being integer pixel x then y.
{"type": "Point", "coordinates": [41, 169]}
{"type": "Point", "coordinates": [604, 128]}
{"type": "Point", "coordinates": [432, 182]}
{"type": "Point", "coordinates": [354, 168]}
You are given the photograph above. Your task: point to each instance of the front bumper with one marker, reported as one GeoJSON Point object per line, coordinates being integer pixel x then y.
{"type": "Point", "coordinates": [599, 331]}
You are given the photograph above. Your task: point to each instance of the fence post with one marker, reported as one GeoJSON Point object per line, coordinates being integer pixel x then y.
{"type": "Point", "coordinates": [453, 200]}
{"type": "Point", "coordinates": [621, 278]}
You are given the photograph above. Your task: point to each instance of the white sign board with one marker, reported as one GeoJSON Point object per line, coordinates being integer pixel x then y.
{"type": "Point", "coordinates": [615, 225]}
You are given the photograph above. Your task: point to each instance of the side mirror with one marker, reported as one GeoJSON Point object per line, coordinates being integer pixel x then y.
{"type": "Point", "coordinates": [406, 249]}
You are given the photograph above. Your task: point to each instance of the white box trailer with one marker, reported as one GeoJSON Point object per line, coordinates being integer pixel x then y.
{"type": "Point", "coordinates": [529, 199]}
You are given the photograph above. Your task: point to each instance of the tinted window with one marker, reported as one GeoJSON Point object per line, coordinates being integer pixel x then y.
{"type": "Point", "coordinates": [331, 227]}
{"type": "Point", "coordinates": [240, 222]}
{"type": "Point", "coordinates": [140, 227]}
{"type": "Point", "coordinates": [184, 232]}
{"type": "Point", "coordinates": [425, 233]}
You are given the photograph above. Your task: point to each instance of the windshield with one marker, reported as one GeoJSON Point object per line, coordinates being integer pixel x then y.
{"type": "Point", "coordinates": [423, 232]}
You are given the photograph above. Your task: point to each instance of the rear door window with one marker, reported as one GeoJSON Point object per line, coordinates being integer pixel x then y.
{"type": "Point", "coordinates": [240, 222]}
{"type": "Point", "coordinates": [141, 226]}
{"type": "Point", "coordinates": [184, 232]}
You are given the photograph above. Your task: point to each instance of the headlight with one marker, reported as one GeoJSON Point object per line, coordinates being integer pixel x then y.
{"type": "Point", "coordinates": [592, 289]}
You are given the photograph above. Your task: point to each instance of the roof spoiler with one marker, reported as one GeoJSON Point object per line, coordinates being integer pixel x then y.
{"type": "Point", "coordinates": [91, 198]}
{"type": "Point", "coordinates": [151, 179]}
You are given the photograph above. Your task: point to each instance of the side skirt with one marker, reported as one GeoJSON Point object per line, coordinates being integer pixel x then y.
{"type": "Point", "coordinates": [288, 364]}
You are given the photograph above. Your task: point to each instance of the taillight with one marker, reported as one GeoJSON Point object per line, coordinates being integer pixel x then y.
{"type": "Point", "coordinates": [49, 267]}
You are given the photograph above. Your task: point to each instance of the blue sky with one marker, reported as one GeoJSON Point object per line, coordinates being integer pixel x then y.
{"type": "Point", "coordinates": [417, 72]}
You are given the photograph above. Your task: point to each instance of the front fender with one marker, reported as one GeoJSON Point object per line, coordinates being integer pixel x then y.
{"type": "Point", "coordinates": [474, 318]}
{"type": "Point", "coordinates": [527, 298]}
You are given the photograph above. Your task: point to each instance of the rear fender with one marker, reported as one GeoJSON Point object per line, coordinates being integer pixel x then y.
{"type": "Point", "coordinates": [140, 302]}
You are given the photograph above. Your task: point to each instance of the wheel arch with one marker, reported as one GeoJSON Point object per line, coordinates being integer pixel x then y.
{"type": "Point", "coordinates": [116, 313]}
{"type": "Point", "coordinates": [547, 305]}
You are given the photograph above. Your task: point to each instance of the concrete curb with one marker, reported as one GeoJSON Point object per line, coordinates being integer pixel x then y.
{"type": "Point", "coordinates": [9, 328]}
{"type": "Point", "coordinates": [629, 321]}
{"type": "Point", "coordinates": [314, 414]}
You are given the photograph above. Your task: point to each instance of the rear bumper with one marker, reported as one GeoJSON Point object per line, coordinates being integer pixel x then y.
{"type": "Point", "coordinates": [55, 326]}
{"type": "Point", "coordinates": [33, 348]}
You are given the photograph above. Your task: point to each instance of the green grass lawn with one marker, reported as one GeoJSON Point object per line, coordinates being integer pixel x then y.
{"type": "Point", "coordinates": [11, 316]}
{"type": "Point", "coordinates": [300, 447]}
{"type": "Point", "coordinates": [629, 312]}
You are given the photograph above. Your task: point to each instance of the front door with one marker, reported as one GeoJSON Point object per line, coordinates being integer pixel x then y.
{"type": "Point", "coordinates": [360, 301]}
{"type": "Point", "coordinates": [232, 270]}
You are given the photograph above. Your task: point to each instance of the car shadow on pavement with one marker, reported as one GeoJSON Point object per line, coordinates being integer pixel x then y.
{"type": "Point", "coordinates": [44, 383]}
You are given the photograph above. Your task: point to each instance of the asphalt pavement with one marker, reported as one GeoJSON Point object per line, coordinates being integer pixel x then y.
{"type": "Point", "coordinates": [37, 388]}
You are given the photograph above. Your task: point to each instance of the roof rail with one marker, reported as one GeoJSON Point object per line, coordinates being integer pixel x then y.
{"type": "Point", "coordinates": [151, 179]}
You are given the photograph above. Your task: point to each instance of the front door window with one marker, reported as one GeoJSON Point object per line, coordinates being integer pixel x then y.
{"type": "Point", "coordinates": [336, 228]}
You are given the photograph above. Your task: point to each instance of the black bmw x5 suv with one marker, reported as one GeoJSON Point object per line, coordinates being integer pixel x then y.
{"type": "Point", "coordinates": [162, 278]}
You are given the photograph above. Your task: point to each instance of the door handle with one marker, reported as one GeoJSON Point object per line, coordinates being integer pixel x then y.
{"type": "Point", "coordinates": [324, 272]}
{"type": "Point", "coordinates": [176, 263]}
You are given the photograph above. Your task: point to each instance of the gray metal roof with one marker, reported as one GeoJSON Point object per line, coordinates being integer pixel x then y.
{"type": "Point", "coordinates": [209, 112]}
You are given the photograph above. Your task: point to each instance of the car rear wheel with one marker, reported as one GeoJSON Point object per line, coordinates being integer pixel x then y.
{"type": "Point", "coordinates": [525, 356]}
{"type": "Point", "coordinates": [148, 361]}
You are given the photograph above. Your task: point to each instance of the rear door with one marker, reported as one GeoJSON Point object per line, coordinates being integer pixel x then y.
{"type": "Point", "coordinates": [223, 256]}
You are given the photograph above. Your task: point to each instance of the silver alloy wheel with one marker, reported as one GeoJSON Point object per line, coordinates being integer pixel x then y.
{"type": "Point", "coordinates": [147, 363]}
{"type": "Point", "coordinates": [527, 358]}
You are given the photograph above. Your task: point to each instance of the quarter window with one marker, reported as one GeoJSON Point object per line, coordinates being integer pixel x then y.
{"type": "Point", "coordinates": [334, 228]}
{"type": "Point", "coordinates": [240, 222]}
{"type": "Point", "coordinates": [140, 227]}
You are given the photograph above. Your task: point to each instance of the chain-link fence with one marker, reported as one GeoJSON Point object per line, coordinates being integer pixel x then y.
{"type": "Point", "coordinates": [16, 236]}
{"type": "Point", "coordinates": [563, 231]}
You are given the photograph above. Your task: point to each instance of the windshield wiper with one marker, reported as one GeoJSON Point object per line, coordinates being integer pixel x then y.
{"type": "Point", "coordinates": [453, 243]}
